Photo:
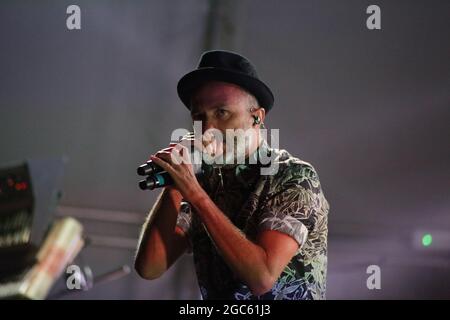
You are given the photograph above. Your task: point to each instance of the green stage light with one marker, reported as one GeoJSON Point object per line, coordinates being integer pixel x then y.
{"type": "Point", "coordinates": [427, 239]}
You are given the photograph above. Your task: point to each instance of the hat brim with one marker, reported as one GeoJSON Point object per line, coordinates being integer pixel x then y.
{"type": "Point", "coordinates": [193, 80]}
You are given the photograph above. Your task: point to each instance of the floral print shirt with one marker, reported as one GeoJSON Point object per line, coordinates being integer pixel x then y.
{"type": "Point", "coordinates": [290, 201]}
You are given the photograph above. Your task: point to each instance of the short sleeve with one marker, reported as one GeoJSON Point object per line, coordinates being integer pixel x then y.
{"type": "Point", "coordinates": [292, 209]}
{"type": "Point", "coordinates": [184, 221]}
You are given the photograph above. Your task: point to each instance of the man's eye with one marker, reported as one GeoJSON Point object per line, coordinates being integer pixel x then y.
{"type": "Point", "coordinates": [222, 112]}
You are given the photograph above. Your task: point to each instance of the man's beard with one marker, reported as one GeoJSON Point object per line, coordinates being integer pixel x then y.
{"type": "Point", "coordinates": [236, 152]}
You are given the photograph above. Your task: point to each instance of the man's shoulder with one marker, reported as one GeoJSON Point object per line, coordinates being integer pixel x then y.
{"type": "Point", "coordinates": [290, 165]}
{"type": "Point", "coordinates": [290, 169]}
{"type": "Point", "coordinates": [296, 176]}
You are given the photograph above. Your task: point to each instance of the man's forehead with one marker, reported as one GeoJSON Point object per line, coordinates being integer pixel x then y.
{"type": "Point", "coordinates": [215, 93]}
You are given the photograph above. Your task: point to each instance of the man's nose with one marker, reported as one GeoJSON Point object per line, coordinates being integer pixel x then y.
{"type": "Point", "coordinates": [208, 124]}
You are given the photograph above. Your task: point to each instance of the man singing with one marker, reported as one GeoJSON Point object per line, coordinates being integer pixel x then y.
{"type": "Point", "coordinates": [252, 235]}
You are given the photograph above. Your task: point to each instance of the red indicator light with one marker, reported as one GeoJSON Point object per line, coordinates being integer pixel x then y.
{"type": "Point", "coordinates": [21, 186]}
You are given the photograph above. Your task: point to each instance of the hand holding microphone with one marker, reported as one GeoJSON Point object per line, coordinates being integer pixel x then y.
{"type": "Point", "coordinates": [173, 165]}
{"type": "Point", "coordinates": [157, 177]}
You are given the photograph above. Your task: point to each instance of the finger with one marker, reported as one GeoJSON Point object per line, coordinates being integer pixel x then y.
{"type": "Point", "coordinates": [163, 164]}
{"type": "Point", "coordinates": [165, 156]}
{"type": "Point", "coordinates": [186, 143]}
{"type": "Point", "coordinates": [193, 143]}
{"type": "Point", "coordinates": [169, 149]}
{"type": "Point", "coordinates": [188, 135]}
{"type": "Point", "coordinates": [183, 149]}
{"type": "Point", "coordinates": [185, 154]}
{"type": "Point", "coordinates": [176, 156]}
{"type": "Point", "coordinates": [162, 152]}
{"type": "Point", "coordinates": [186, 157]}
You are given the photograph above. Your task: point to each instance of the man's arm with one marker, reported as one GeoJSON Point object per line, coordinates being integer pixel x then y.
{"type": "Point", "coordinates": [161, 243]}
{"type": "Point", "coordinates": [258, 264]}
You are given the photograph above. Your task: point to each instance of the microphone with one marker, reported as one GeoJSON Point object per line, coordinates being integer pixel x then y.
{"type": "Point", "coordinates": [157, 177]}
{"type": "Point", "coordinates": [162, 178]}
{"type": "Point", "coordinates": [157, 180]}
{"type": "Point", "coordinates": [148, 168]}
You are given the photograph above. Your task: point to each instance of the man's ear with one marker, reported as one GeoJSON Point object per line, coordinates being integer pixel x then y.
{"type": "Point", "coordinates": [261, 113]}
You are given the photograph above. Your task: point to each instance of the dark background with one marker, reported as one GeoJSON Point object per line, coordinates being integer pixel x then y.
{"type": "Point", "coordinates": [370, 109]}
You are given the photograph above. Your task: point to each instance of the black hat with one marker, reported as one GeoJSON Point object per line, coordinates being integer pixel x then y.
{"type": "Point", "coordinates": [229, 67]}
